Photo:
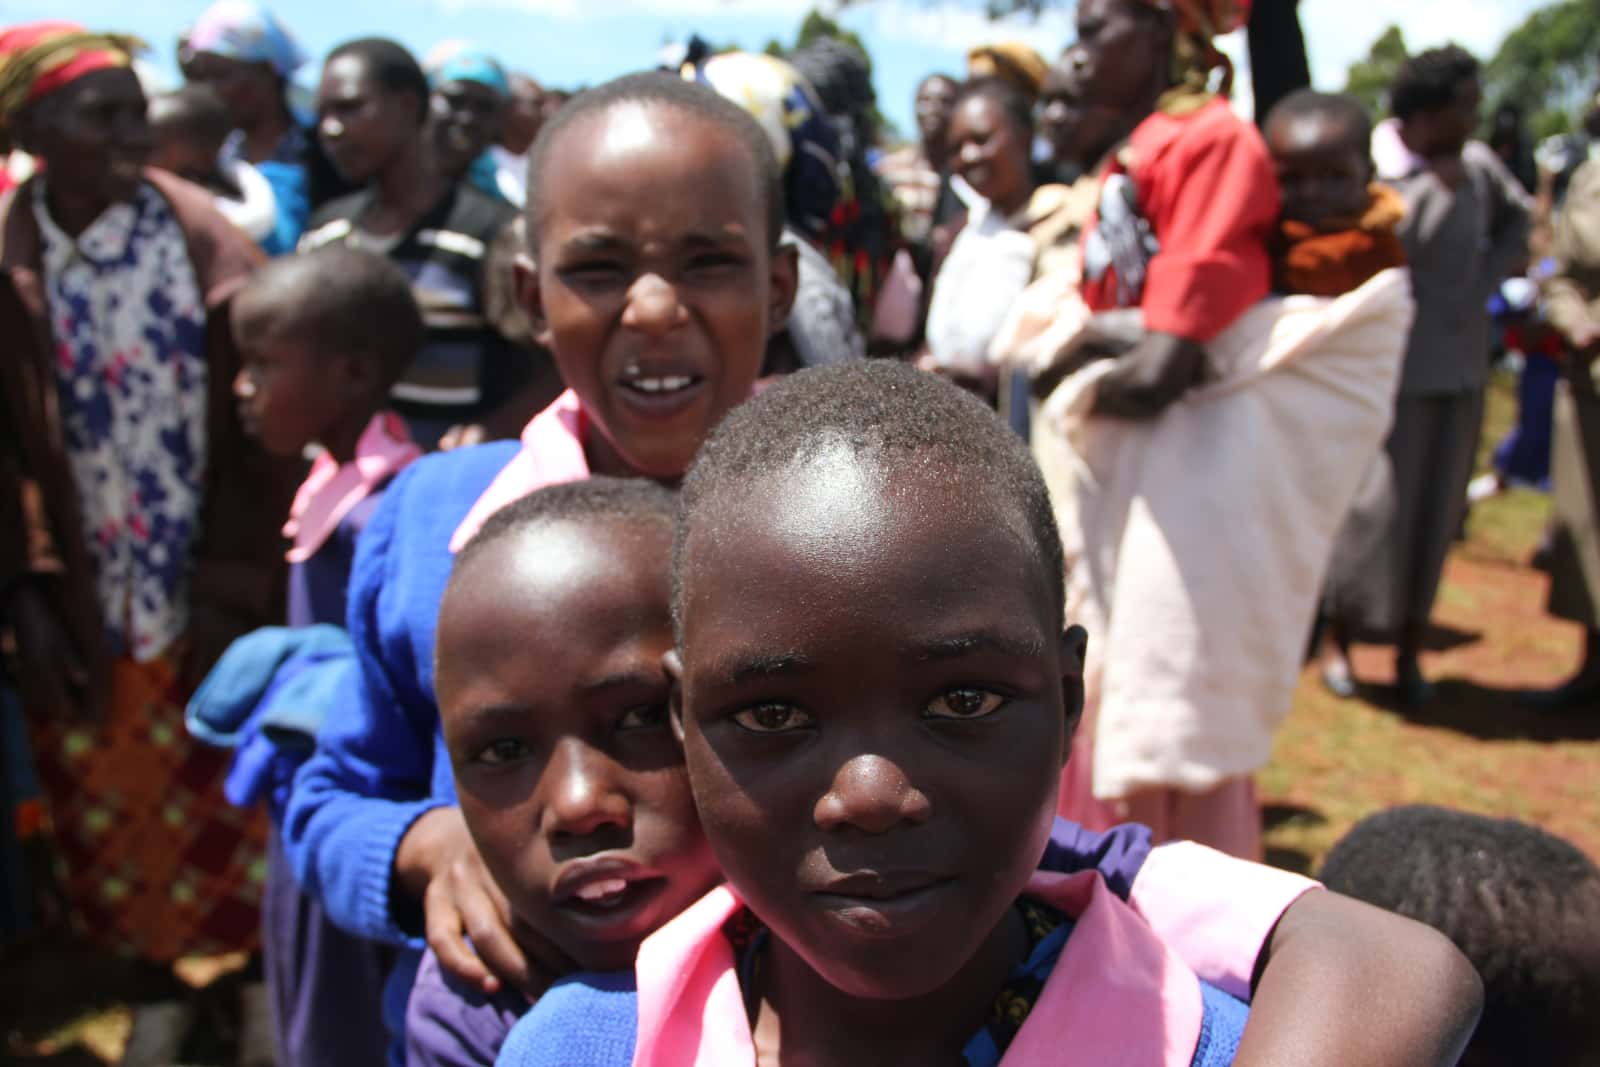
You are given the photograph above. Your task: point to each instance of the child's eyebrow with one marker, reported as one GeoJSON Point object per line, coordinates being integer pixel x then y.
{"type": "Point", "coordinates": [641, 679]}
{"type": "Point", "coordinates": [594, 241]}
{"type": "Point", "coordinates": [742, 668]}
{"type": "Point", "coordinates": [495, 712]}
{"type": "Point", "coordinates": [979, 641]}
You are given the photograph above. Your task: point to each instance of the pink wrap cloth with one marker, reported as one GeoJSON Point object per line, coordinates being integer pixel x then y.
{"type": "Point", "coordinates": [333, 489]}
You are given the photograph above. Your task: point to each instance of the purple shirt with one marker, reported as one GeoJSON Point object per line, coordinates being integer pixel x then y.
{"type": "Point", "coordinates": [449, 1024]}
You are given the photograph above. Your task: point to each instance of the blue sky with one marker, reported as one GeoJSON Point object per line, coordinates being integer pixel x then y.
{"type": "Point", "coordinates": [569, 42]}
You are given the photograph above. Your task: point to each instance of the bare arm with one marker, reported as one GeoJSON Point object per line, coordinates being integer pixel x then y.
{"type": "Point", "coordinates": [1342, 982]}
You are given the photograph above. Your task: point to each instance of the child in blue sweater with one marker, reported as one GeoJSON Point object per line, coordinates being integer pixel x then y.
{"type": "Point", "coordinates": [322, 338]}
{"type": "Point", "coordinates": [657, 308]}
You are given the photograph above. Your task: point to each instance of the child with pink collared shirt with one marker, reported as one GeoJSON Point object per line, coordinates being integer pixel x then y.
{"type": "Point", "coordinates": [323, 336]}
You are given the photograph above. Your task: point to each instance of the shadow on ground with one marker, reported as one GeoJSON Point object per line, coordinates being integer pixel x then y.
{"type": "Point", "coordinates": [1489, 713]}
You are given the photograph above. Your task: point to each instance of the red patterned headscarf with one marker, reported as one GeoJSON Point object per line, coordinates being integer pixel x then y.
{"type": "Point", "coordinates": [1195, 57]}
{"type": "Point", "coordinates": [1206, 18]}
{"type": "Point", "coordinates": [37, 58]}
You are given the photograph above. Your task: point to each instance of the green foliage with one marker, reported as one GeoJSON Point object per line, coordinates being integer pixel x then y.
{"type": "Point", "coordinates": [1368, 79]}
{"type": "Point", "coordinates": [816, 26]}
{"type": "Point", "coordinates": [1548, 66]}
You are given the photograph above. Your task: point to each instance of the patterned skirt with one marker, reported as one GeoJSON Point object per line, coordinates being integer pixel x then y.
{"type": "Point", "coordinates": [154, 861]}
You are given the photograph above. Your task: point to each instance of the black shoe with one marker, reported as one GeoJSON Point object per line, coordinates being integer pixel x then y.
{"type": "Point", "coordinates": [1415, 691]}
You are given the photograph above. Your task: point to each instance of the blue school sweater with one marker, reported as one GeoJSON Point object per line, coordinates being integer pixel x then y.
{"type": "Point", "coordinates": [380, 761]}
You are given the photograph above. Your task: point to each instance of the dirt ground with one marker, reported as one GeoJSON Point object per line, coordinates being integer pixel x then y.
{"type": "Point", "coordinates": [1476, 748]}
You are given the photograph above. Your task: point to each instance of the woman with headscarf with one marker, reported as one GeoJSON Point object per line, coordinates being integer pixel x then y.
{"type": "Point", "coordinates": [138, 524]}
{"type": "Point", "coordinates": [860, 231]}
{"type": "Point", "coordinates": [823, 326]}
{"type": "Point", "coordinates": [1188, 193]}
{"type": "Point", "coordinates": [249, 57]}
{"type": "Point", "coordinates": [1184, 197]}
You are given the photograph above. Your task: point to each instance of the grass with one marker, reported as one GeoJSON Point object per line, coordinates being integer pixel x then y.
{"type": "Point", "coordinates": [1335, 760]}
{"type": "Point", "coordinates": [1477, 747]}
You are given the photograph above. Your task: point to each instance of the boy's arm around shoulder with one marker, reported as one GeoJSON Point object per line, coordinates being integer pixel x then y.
{"type": "Point", "coordinates": [1343, 982]}
{"type": "Point", "coordinates": [371, 776]}
{"type": "Point", "coordinates": [1330, 980]}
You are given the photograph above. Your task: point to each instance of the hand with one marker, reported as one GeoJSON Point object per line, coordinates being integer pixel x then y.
{"type": "Point", "coordinates": [463, 436]}
{"type": "Point", "coordinates": [1150, 376]}
{"type": "Point", "coordinates": [438, 863]}
{"type": "Point", "coordinates": [52, 677]}
{"type": "Point", "coordinates": [1098, 340]}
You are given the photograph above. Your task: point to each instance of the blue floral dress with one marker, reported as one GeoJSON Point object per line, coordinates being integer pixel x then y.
{"type": "Point", "coordinates": [128, 324]}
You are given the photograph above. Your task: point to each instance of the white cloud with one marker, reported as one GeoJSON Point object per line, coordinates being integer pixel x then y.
{"type": "Point", "coordinates": [1339, 32]}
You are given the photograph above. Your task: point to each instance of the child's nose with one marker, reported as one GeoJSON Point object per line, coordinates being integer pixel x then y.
{"type": "Point", "coordinates": [653, 305]}
{"type": "Point", "coordinates": [581, 796]}
{"type": "Point", "coordinates": [871, 793]}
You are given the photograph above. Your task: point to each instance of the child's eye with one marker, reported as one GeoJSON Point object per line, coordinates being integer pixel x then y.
{"type": "Point", "coordinates": [715, 261]}
{"type": "Point", "coordinates": [773, 719]}
{"type": "Point", "coordinates": [591, 273]}
{"type": "Point", "coordinates": [644, 717]}
{"type": "Point", "coordinates": [506, 750]}
{"type": "Point", "coordinates": [965, 704]}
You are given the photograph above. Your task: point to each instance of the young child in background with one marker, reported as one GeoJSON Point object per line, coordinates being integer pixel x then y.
{"type": "Point", "coordinates": [1523, 904]}
{"type": "Point", "coordinates": [864, 827]}
{"type": "Point", "coordinates": [323, 337]}
{"type": "Point", "coordinates": [1336, 226]}
{"type": "Point", "coordinates": [191, 125]}
{"type": "Point", "coordinates": [1336, 230]}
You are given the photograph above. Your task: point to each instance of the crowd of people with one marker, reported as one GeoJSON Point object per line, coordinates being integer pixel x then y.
{"type": "Point", "coordinates": [507, 560]}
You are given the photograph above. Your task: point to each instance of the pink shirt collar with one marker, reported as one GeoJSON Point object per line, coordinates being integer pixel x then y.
{"type": "Point", "coordinates": [1118, 994]}
{"type": "Point", "coordinates": [333, 489]}
{"type": "Point", "coordinates": [551, 452]}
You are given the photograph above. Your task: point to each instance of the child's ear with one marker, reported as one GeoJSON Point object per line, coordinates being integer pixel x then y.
{"type": "Point", "coordinates": [1074, 649]}
{"type": "Point", "coordinates": [783, 284]}
{"type": "Point", "coordinates": [672, 663]}
{"type": "Point", "coordinates": [525, 281]}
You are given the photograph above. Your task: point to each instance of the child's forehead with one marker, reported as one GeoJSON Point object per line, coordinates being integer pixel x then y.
{"type": "Point", "coordinates": [686, 152]}
{"type": "Point", "coordinates": [570, 556]}
{"type": "Point", "coordinates": [872, 513]}
{"type": "Point", "coordinates": [1314, 131]}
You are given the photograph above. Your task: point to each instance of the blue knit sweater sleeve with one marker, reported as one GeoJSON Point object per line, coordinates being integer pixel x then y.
{"type": "Point", "coordinates": [588, 1020]}
{"type": "Point", "coordinates": [380, 761]}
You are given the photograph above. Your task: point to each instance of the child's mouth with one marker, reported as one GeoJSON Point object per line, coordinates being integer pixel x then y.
{"type": "Point", "coordinates": [605, 894]}
{"type": "Point", "coordinates": [895, 908]}
{"type": "Point", "coordinates": [660, 395]}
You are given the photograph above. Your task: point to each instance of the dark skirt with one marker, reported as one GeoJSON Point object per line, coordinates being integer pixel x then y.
{"type": "Point", "coordinates": [1390, 554]}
